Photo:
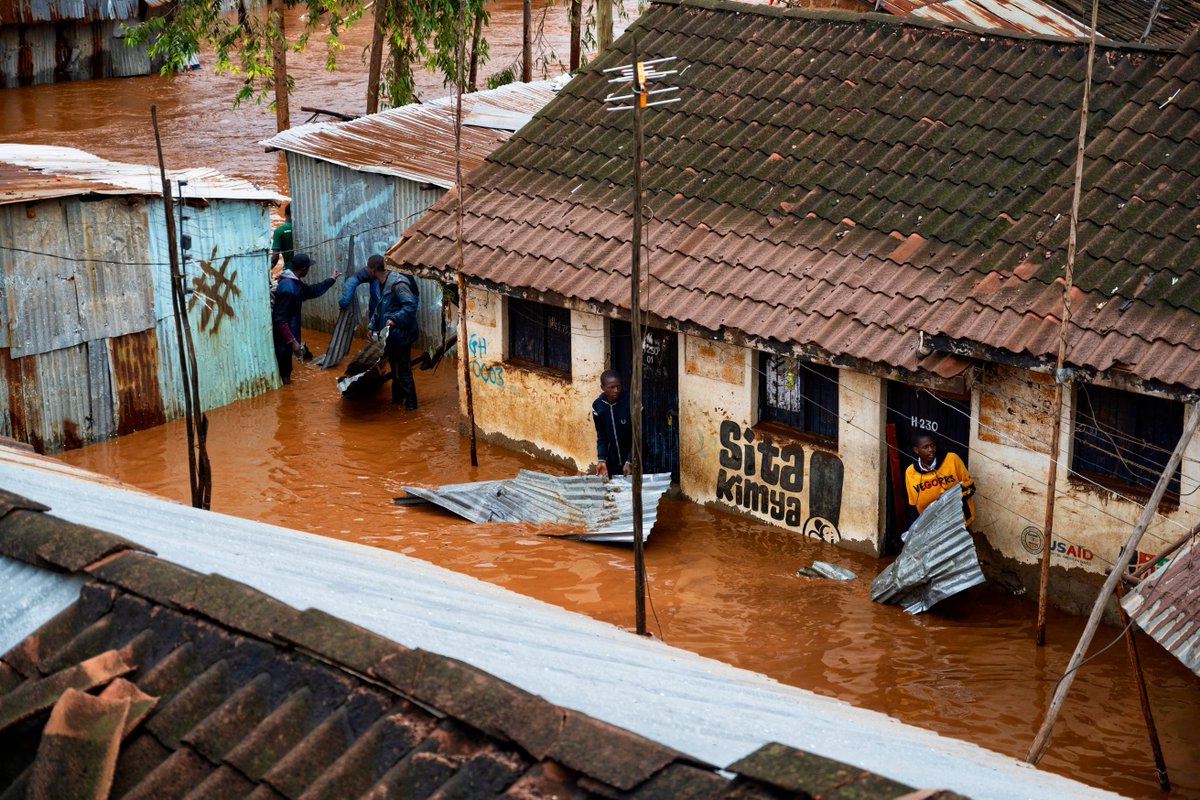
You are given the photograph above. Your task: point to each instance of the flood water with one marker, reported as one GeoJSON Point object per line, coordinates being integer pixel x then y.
{"type": "Point", "coordinates": [720, 585]}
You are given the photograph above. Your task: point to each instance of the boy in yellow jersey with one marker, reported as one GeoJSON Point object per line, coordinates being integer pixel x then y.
{"type": "Point", "coordinates": [930, 476]}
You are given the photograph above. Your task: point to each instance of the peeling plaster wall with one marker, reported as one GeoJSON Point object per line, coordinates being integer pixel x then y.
{"type": "Point", "coordinates": [546, 414]}
{"type": "Point", "coordinates": [1010, 442]}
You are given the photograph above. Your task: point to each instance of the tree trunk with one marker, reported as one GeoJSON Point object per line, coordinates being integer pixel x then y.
{"type": "Point", "coordinates": [473, 77]}
{"type": "Point", "coordinates": [527, 41]}
{"type": "Point", "coordinates": [604, 24]}
{"type": "Point", "coordinates": [376, 66]}
{"type": "Point", "coordinates": [576, 33]}
{"type": "Point", "coordinates": [278, 45]}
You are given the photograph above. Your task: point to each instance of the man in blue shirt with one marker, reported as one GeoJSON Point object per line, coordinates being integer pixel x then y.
{"type": "Point", "coordinates": [395, 316]}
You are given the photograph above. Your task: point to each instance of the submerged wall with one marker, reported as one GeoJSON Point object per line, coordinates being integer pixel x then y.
{"type": "Point", "coordinates": [49, 52]}
{"type": "Point", "coordinates": [88, 348]}
{"type": "Point", "coordinates": [835, 492]}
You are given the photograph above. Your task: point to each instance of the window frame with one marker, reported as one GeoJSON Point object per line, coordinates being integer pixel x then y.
{"type": "Point", "coordinates": [553, 323]}
{"type": "Point", "coordinates": [819, 411]}
{"type": "Point", "coordinates": [1146, 412]}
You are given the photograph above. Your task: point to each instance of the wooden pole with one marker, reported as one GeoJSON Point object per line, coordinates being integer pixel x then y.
{"type": "Point", "coordinates": [1139, 680]}
{"type": "Point", "coordinates": [473, 73]}
{"type": "Point", "coordinates": [635, 322]}
{"type": "Point", "coordinates": [1057, 408]}
{"type": "Point", "coordinates": [576, 33]}
{"type": "Point", "coordinates": [604, 24]}
{"type": "Point", "coordinates": [527, 40]}
{"type": "Point", "coordinates": [899, 499]}
{"type": "Point", "coordinates": [1042, 740]}
{"type": "Point", "coordinates": [376, 66]}
{"type": "Point", "coordinates": [463, 354]}
{"type": "Point", "coordinates": [192, 376]}
{"type": "Point", "coordinates": [179, 311]}
{"type": "Point", "coordinates": [279, 74]}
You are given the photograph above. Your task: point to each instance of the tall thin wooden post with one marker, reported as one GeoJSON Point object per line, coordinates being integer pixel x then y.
{"type": "Point", "coordinates": [1042, 740]}
{"type": "Point", "coordinates": [576, 34]}
{"type": "Point", "coordinates": [635, 322]}
{"type": "Point", "coordinates": [1139, 680]}
{"type": "Point", "coordinates": [376, 66]}
{"type": "Point", "coordinates": [1059, 378]}
{"type": "Point", "coordinates": [464, 355]}
{"type": "Point", "coordinates": [527, 40]}
{"type": "Point", "coordinates": [604, 24]}
{"type": "Point", "coordinates": [279, 71]}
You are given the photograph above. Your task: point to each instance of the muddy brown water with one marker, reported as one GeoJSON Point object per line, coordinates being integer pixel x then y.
{"type": "Point", "coordinates": [721, 585]}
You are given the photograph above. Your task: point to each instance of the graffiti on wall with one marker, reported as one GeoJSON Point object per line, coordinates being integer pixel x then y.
{"type": "Point", "coordinates": [762, 477]}
{"type": "Point", "coordinates": [489, 374]}
{"type": "Point", "coordinates": [212, 290]}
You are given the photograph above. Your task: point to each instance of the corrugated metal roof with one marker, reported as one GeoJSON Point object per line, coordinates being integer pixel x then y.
{"type": "Point", "coordinates": [601, 508]}
{"type": "Point", "coordinates": [37, 172]}
{"type": "Point", "coordinates": [25, 11]}
{"type": "Point", "coordinates": [938, 559]}
{"type": "Point", "coordinates": [417, 141]}
{"type": "Point", "coordinates": [712, 711]}
{"type": "Point", "coordinates": [1025, 16]}
{"type": "Point", "coordinates": [1166, 605]}
{"type": "Point", "coordinates": [30, 597]}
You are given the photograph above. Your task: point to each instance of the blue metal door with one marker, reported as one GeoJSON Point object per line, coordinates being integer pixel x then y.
{"type": "Point", "coordinates": [660, 392]}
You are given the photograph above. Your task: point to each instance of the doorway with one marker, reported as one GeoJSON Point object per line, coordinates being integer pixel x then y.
{"type": "Point", "coordinates": [660, 392]}
{"type": "Point", "coordinates": [912, 410]}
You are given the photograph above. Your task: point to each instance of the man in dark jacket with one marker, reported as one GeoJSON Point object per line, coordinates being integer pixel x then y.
{"type": "Point", "coordinates": [290, 292]}
{"type": "Point", "coordinates": [396, 317]}
{"type": "Point", "coordinates": [350, 286]}
{"type": "Point", "coordinates": [614, 427]}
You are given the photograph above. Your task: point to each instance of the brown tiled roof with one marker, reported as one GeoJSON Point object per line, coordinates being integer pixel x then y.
{"type": "Point", "coordinates": [1126, 20]}
{"type": "Point", "coordinates": [828, 180]}
{"type": "Point", "coordinates": [1137, 269]}
{"type": "Point", "coordinates": [160, 682]}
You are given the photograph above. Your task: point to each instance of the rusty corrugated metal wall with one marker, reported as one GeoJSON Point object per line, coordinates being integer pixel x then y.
{"type": "Point", "coordinates": [48, 52]}
{"type": "Point", "coordinates": [330, 202]}
{"type": "Point", "coordinates": [87, 340]}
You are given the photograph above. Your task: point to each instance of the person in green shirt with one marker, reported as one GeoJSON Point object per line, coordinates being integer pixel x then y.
{"type": "Point", "coordinates": [281, 240]}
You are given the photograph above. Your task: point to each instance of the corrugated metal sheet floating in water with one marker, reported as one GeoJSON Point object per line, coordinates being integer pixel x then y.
{"type": "Point", "coordinates": [1166, 605]}
{"type": "Point", "coordinates": [938, 559]}
{"type": "Point", "coordinates": [602, 509]}
{"type": "Point", "coordinates": [30, 597]}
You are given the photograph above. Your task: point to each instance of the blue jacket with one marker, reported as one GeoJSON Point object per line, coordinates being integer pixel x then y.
{"type": "Point", "coordinates": [397, 302]}
{"type": "Point", "coordinates": [351, 286]}
{"type": "Point", "coordinates": [290, 292]}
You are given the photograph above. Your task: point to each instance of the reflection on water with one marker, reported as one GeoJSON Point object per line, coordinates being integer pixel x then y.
{"type": "Point", "coordinates": [720, 585]}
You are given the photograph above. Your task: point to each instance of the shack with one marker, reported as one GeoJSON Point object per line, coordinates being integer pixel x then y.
{"type": "Point", "coordinates": [854, 227]}
{"type": "Point", "coordinates": [87, 334]}
{"type": "Point", "coordinates": [47, 41]}
{"type": "Point", "coordinates": [374, 176]}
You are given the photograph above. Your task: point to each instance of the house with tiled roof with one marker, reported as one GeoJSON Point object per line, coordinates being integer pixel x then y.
{"type": "Point", "coordinates": [853, 233]}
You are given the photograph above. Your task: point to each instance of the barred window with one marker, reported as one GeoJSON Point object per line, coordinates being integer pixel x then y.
{"type": "Point", "coordinates": [1123, 440]}
{"type": "Point", "coordinates": [539, 334]}
{"type": "Point", "coordinates": [799, 394]}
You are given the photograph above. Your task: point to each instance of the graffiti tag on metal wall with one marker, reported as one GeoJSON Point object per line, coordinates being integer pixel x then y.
{"type": "Point", "coordinates": [212, 290]}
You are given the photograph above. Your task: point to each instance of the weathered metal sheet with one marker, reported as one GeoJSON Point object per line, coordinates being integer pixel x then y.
{"type": "Point", "coordinates": [100, 386]}
{"type": "Point", "coordinates": [25, 11]}
{"type": "Point", "coordinates": [43, 308]}
{"type": "Point", "coordinates": [938, 559]}
{"type": "Point", "coordinates": [229, 303]}
{"type": "Point", "coordinates": [138, 402]}
{"type": "Point", "coordinates": [112, 282]}
{"type": "Point", "coordinates": [50, 399]}
{"type": "Point", "coordinates": [30, 597]}
{"type": "Point", "coordinates": [1026, 16]}
{"type": "Point", "coordinates": [1166, 605]}
{"type": "Point", "coordinates": [601, 508]}
{"type": "Point", "coordinates": [110, 177]}
{"type": "Point", "coordinates": [417, 141]}
{"type": "Point", "coordinates": [329, 204]}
